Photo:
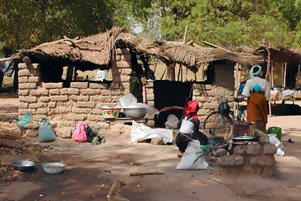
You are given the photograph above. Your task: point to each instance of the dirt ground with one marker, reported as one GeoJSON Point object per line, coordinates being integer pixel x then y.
{"type": "Point", "coordinates": [90, 169]}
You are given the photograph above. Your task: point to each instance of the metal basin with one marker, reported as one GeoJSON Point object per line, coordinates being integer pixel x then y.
{"type": "Point", "coordinates": [134, 112]}
{"type": "Point", "coordinates": [23, 165]}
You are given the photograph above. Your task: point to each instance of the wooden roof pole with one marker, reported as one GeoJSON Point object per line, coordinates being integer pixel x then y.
{"type": "Point", "coordinates": [269, 63]}
{"type": "Point", "coordinates": [10, 58]}
{"type": "Point", "coordinates": [184, 41]}
{"type": "Point", "coordinates": [180, 73]}
{"type": "Point", "coordinates": [284, 76]}
{"type": "Point", "coordinates": [236, 81]}
{"type": "Point", "coordinates": [272, 75]}
{"type": "Point", "coordinates": [282, 72]}
{"type": "Point", "coordinates": [212, 45]}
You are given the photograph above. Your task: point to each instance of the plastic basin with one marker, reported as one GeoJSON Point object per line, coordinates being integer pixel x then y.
{"type": "Point", "coordinates": [111, 113]}
{"type": "Point", "coordinates": [53, 167]}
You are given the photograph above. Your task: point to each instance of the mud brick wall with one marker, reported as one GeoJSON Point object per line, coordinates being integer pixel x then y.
{"type": "Point", "coordinates": [253, 159]}
{"type": "Point", "coordinates": [64, 107]}
{"type": "Point", "coordinates": [207, 96]}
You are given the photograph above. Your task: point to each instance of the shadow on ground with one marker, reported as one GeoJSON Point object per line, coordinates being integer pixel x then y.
{"type": "Point", "coordinates": [286, 109]}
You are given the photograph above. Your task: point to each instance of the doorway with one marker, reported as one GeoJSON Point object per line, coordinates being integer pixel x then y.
{"type": "Point", "coordinates": [170, 93]}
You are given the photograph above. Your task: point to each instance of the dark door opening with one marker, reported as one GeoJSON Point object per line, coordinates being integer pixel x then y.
{"type": "Point", "coordinates": [167, 94]}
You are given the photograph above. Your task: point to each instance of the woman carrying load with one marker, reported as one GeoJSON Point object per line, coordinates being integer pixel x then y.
{"type": "Point", "coordinates": [257, 90]}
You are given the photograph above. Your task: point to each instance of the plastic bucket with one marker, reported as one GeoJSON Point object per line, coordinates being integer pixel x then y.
{"type": "Point", "coordinates": [275, 130]}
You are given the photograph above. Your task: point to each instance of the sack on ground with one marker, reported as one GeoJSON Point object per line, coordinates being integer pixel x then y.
{"type": "Point", "coordinates": [193, 158]}
{"type": "Point", "coordinates": [79, 134]}
{"type": "Point", "coordinates": [141, 132]}
{"type": "Point", "coordinates": [90, 134]}
{"type": "Point", "coordinates": [46, 133]}
{"type": "Point", "coordinates": [25, 119]}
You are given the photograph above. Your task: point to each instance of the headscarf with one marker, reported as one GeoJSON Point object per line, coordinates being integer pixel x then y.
{"type": "Point", "coordinates": [252, 74]}
{"type": "Point", "coordinates": [192, 109]}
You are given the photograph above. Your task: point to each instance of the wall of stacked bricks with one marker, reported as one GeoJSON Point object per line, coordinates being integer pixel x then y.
{"type": "Point", "coordinates": [64, 107]}
{"type": "Point", "coordinates": [252, 159]}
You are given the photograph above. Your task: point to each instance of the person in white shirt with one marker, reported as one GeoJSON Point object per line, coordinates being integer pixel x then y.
{"type": "Point", "coordinates": [189, 127]}
{"type": "Point", "coordinates": [257, 90]}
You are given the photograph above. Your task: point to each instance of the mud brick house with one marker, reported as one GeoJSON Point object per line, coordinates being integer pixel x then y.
{"type": "Point", "coordinates": [67, 101]}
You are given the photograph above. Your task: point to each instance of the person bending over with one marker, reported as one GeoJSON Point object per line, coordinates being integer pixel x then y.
{"type": "Point", "coordinates": [189, 127]}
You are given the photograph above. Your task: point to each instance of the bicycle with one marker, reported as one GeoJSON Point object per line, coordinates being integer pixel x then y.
{"type": "Point", "coordinates": [220, 122]}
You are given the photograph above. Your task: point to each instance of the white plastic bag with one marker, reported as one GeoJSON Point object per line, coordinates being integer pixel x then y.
{"type": "Point", "coordinates": [149, 110]}
{"type": "Point", "coordinates": [127, 100]}
{"type": "Point", "coordinates": [274, 140]}
{"type": "Point", "coordinates": [193, 158]}
{"type": "Point", "coordinates": [172, 121]}
{"type": "Point", "coordinates": [141, 132]}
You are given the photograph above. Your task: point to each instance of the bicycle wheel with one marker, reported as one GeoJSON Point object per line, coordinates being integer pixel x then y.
{"type": "Point", "coordinates": [218, 125]}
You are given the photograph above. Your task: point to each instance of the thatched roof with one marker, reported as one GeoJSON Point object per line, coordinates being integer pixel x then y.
{"type": "Point", "coordinates": [97, 50]}
{"type": "Point", "coordinates": [281, 54]}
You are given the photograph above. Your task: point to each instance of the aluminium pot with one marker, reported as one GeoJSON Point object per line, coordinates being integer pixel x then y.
{"type": "Point", "coordinates": [134, 112]}
{"type": "Point", "coordinates": [23, 165]}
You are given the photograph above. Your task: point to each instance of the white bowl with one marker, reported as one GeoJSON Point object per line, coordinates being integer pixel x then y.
{"type": "Point", "coordinates": [111, 113]}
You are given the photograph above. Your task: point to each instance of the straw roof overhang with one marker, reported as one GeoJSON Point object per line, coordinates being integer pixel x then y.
{"type": "Point", "coordinates": [95, 51]}
{"type": "Point", "coordinates": [281, 54]}
{"type": "Point", "coordinates": [193, 57]}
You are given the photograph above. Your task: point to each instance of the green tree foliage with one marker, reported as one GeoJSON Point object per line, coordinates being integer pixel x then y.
{"type": "Point", "coordinates": [228, 22]}
{"type": "Point", "coordinates": [25, 24]}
